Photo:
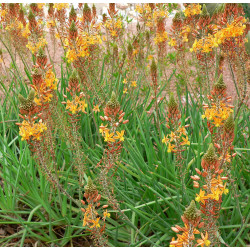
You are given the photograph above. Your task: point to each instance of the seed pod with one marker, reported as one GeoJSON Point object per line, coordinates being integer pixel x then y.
{"type": "Point", "coordinates": [41, 57]}
{"type": "Point", "coordinates": [210, 157]}
{"type": "Point", "coordinates": [220, 85]}
{"type": "Point", "coordinates": [172, 104]}
{"type": "Point", "coordinates": [72, 14]}
{"type": "Point", "coordinates": [90, 188]}
{"type": "Point", "coordinates": [191, 212]}
{"type": "Point", "coordinates": [229, 124]}
{"type": "Point", "coordinates": [27, 104]}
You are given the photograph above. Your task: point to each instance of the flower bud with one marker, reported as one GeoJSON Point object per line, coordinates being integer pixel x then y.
{"type": "Point", "coordinates": [175, 229]}
{"type": "Point", "coordinates": [196, 184]}
{"type": "Point", "coordinates": [201, 225]}
{"type": "Point", "coordinates": [198, 171]}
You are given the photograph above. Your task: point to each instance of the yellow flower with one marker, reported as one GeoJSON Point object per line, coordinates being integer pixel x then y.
{"type": "Point", "coordinates": [38, 101]}
{"type": "Point", "coordinates": [82, 106]}
{"type": "Point", "coordinates": [103, 129]}
{"type": "Point", "coordinates": [106, 214]}
{"type": "Point", "coordinates": [182, 130]}
{"type": "Point", "coordinates": [133, 84]}
{"type": "Point", "coordinates": [125, 81]}
{"type": "Point", "coordinates": [96, 108]}
{"type": "Point", "coordinates": [85, 220]}
{"type": "Point", "coordinates": [192, 9]}
{"type": "Point", "coordinates": [165, 139]}
{"type": "Point", "coordinates": [224, 190]}
{"type": "Point", "coordinates": [119, 135]}
{"type": "Point", "coordinates": [125, 91]}
{"type": "Point", "coordinates": [50, 80]}
{"type": "Point", "coordinates": [172, 42]}
{"type": "Point", "coordinates": [60, 6]}
{"type": "Point", "coordinates": [113, 33]}
{"type": "Point", "coordinates": [40, 5]}
{"type": "Point", "coordinates": [172, 136]}
{"type": "Point", "coordinates": [185, 141]}
{"type": "Point", "coordinates": [201, 197]}
{"type": "Point", "coordinates": [31, 130]}
{"type": "Point", "coordinates": [204, 240]}
{"type": "Point", "coordinates": [71, 106]}
{"type": "Point", "coordinates": [171, 148]}
{"type": "Point", "coordinates": [215, 194]}
{"type": "Point", "coordinates": [95, 223]}
{"type": "Point", "coordinates": [109, 137]}
{"type": "Point", "coordinates": [150, 57]}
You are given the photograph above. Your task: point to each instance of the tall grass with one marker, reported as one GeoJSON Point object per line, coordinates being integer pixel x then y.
{"type": "Point", "coordinates": [146, 182]}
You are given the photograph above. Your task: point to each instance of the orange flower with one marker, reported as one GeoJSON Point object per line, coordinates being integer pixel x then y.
{"type": "Point", "coordinates": [103, 129]}
{"type": "Point", "coordinates": [204, 240]}
{"type": "Point", "coordinates": [165, 139]}
{"type": "Point", "coordinates": [95, 223]}
{"type": "Point", "coordinates": [171, 148]}
{"type": "Point", "coordinates": [106, 214]}
{"type": "Point", "coordinates": [96, 108]}
{"type": "Point", "coordinates": [182, 130]}
{"type": "Point", "coordinates": [215, 194]}
{"type": "Point", "coordinates": [172, 136]}
{"type": "Point", "coordinates": [85, 220]}
{"type": "Point", "coordinates": [133, 84]}
{"type": "Point", "coordinates": [185, 141]}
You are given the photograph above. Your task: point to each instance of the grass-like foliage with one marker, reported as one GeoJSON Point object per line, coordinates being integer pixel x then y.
{"type": "Point", "coordinates": [131, 139]}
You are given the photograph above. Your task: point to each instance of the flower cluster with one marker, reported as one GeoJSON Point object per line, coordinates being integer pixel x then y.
{"type": "Point", "coordinates": [192, 10]}
{"type": "Point", "coordinates": [13, 22]}
{"type": "Point", "coordinates": [211, 191]}
{"type": "Point", "coordinates": [34, 33]}
{"type": "Point", "coordinates": [218, 111]}
{"type": "Point", "coordinates": [92, 219]}
{"type": "Point", "coordinates": [161, 37]}
{"type": "Point", "coordinates": [44, 80]}
{"type": "Point", "coordinates": [217, 114]}
{"type": "Point", "coordinates": [179, 138]}
{"type": "Point", "coordinates": [114, 116]}
{"type": "Point", "coordinates": [81, 47]}
{"type": "Point", "coordinates": [146, 13]}
{"type": "Point", "coordinates": [232, 30]}
{"type": "Point", "coordinates": [132, 85]}
{"type": "Point", "coordinates": [186, 235]}
{"type": "Point", "coordinates": [31, 130]}
{"type": "Point", "coordinates": [114, 26]}
{"type": "Point", "coordinates": [61, 6]}
{"type": "Point", "coordinates": [205, 44]}
{"type": "Point", "coordinates": [77, 104]}
{"type": "Point", "coordinates": [34, 47]}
